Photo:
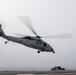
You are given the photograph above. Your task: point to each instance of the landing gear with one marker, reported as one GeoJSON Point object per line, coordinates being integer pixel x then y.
{"type": "Point", "coordinates": [38, 51]}
{"type": "Point", "coordinates": [53, 51]}
{"type": "Point", "coordinates": [6, 42]}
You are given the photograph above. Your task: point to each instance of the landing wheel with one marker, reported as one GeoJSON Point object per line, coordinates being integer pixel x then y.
{"type": "Point", "coordinates": [5, 42]}
{"type": "Point", "coordinates": [53, 51]}
{"type": "Point", "coordinates": [38, 51]}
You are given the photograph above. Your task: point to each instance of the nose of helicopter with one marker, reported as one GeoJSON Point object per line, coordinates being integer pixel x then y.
{"type": "Point", "coordinates": [51, 50]}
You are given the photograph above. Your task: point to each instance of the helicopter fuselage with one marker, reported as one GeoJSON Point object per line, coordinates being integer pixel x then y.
{"type": "Point", "coordinates": [32, 42]}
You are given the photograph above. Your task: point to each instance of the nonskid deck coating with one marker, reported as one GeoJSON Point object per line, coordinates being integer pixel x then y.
{"type": "Point", "coordinates": [66, 72]}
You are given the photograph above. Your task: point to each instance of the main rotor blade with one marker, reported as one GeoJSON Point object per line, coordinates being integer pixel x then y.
{"type": "Point", "coordinates": [27, 22]}
{"type": "Point", "coordinates": [64, 36]}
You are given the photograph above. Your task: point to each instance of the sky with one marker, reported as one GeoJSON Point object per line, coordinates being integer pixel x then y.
{"type": "Point", "coordinates": [49, 17]}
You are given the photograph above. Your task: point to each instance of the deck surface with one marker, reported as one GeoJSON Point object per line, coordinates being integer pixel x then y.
{"type": "Point", "coordinates": [69, 72]}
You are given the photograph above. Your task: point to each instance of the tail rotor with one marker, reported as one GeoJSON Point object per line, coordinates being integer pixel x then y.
{"type": "Point", "coordinates": [2, 26]}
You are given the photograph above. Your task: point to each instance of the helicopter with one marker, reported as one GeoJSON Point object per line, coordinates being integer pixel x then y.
{"type": "Point", "coordinates": [36, 41]}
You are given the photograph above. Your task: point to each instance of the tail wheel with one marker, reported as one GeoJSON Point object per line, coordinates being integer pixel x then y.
{"type": "Point", "coordinates": [38, 51]}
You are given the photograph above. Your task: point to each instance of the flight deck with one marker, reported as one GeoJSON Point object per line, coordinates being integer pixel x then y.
{"type": "Point", "coordinates": [66, 72]}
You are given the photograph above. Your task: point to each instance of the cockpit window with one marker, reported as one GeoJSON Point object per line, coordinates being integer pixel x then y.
{"type": "Point", "coordinates": [44, 44]}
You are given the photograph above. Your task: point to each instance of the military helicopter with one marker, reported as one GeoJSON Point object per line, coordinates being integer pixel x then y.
{"type": "Point", "coordinates": [36, 41]}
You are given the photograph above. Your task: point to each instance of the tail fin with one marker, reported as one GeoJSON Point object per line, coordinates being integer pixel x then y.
{"type": "Point", "coordinates": [1, 31]}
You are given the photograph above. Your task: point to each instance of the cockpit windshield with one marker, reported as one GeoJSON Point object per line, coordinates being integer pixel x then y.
{"type": "Point", "coordinates": [44, 44]}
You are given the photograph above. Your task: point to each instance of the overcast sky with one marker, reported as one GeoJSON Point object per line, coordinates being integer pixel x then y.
{"type": "Point", "coordinates": [49, 17]}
